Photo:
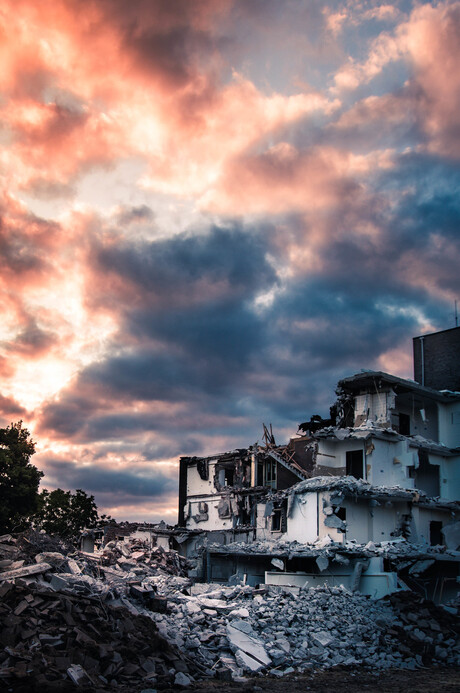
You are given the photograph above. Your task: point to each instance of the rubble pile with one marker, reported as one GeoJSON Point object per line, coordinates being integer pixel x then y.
{"type": "Point", "coordinates": [128, 616]}
{"type": "Point", "coordinates": [398, 550]}
{"type": "Point", "coordinates": [423, 629]}
{"type": "Point", "coordinates": [63, 618]}
{"type": "Point", "coordinates": [53, 636]}
{"type": "Point", "coordinates": [134, 556]}
{"type": "Point", "coordinates": [246, 630]}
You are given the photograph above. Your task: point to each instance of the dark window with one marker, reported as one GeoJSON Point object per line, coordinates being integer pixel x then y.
{"type": "Point", "coordinates": [260, 474]}
{"type": "Point", "coordinates": [435, 533]}
{"type": "Point", "coordinates": [276, 520]}
{"type": "Point", "coordinates": [270, 473]}
{"type": "Point", "coordinates": [404, 424]}
{"type": "Point", "coordinates": [341, 513]}
{"type": "Point", "coordinates": [355, 464]}
{"type": "Point", "coordinates": [229, 477]}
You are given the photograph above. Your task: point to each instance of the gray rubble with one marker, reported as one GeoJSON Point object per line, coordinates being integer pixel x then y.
{"type": "Point", "coordinates": [78, 619]}
{"type": "Point", "coordinates": [314, 628]}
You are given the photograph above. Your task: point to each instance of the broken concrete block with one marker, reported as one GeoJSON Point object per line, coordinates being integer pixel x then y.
{"type": "Point", "coordinates": [192, 608]}
{"type": "Point", "coordinates": [323, 638]}
{"type": "Point", "coordinates": [420, 567]}
{"type": "Point", "coordinates": [79, 676]}
{"type": "Point", "coordinates": [278, 563]}
{"type": "Point", "coordinates": [25, 571]}
{"type": "Point", "coordinates": [73, 566]}
{"type": "Point", "coordinates": [247, 662]}
{"type": "Point", "coordinates": [249, 645]}
{"type": "Point", "coordinates": [239, 613]}
{"type": "Point", "coordinates": [322, 562]}
{"type": "Point", "coordinates": [243, 626]}
{"type": "Point", "coordinates": [182, 680]}
{"type": "Point", "coordinates": [58, 583]}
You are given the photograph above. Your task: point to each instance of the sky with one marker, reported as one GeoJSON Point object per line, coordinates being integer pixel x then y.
{"type": "Point", "coordinates": [210, 212]}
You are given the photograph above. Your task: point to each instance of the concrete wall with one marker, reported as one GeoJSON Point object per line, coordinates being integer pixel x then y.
{"type": "Point", "coordinates": [196, 485]}
{"type": "Point", "coordinates": [374, 407]}
{"type": "Point", "coordinates": [450, 478]}
{"type": "Point", "coordinates": [204, 491]}
{"type": "Point", "coordinates": [423, 416]}
{"type": "Point", "coordinates": [332, 455]}
{"type": "Point", "coordinates": [449, 424]}
{"type": "Point", "coordinates": [302, 525]}
{"type": "Point", "coordinates": [366, 519]}
{"type": "Point", "coordinates": [388, 461]}
{"type": "Point", "coordinates": [423, 516]}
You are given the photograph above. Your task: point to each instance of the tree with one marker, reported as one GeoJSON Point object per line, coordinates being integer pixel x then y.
{"type": "Point", "coordinates": [19, 479]}
{"type": "Point", "coordinates": [65, 513]}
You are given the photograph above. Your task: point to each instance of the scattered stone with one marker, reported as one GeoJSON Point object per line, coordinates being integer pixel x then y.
{"type": "Point", "coordinates": [182, 680]}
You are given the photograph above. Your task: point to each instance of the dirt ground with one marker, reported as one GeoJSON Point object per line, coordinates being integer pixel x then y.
{"type": "Point", "coordinates": [439, 680]}
{"type": "Point", "coordinates": [337, 680]}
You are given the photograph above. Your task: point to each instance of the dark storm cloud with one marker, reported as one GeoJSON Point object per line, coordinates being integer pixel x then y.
{"type": "Point", "coordinates": [96, 479]}
{"type": "Point", "coordinates": [168, 52]}
{"type": "Point", "coordinates": [10, 408]}
{"type": "Point", "coordinates": [194, 337]}
{"type": "Point", "coordinates": [68, 416]}
{"type": "Point", "coordinates": [194, 295]}
{"type": "Point", "coordinates": [132, 215]}
{"type": "Point", "coordinates": [166, 39]}
{"type": "Point", "coordinates": [33, 340]}
{"type": "Point", "coordinates": [193, 267]}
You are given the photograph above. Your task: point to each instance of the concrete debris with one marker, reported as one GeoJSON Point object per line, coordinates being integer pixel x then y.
{"type": "Point", "coordinates": [452, 535]}
{"type": "Point", "coordinates": [322, 562]}
{"type": "Point", "coordinates": [80, 620]}
{"type": "Point", "coordinates": [278, 563]}
{"type": "Point", "coordinates": [25, 571]}
{"type": "Point", "coordinates": [249, 648]}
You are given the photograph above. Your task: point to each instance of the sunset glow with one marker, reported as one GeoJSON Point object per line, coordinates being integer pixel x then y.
{"type": "Point", "coordinates": [211, 210]}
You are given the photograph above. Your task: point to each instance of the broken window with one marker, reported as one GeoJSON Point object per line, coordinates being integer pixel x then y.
{"type": "Point", "coordinates": [276, 520]}
{"type": "Point", "coordinates": [435, 533]}
{"type": "Point", "coordinates": [355, 464]}
{"type": "Point", "coordinates": [279, 517]}
{"type": "Point", "coordinates": [203, 469]}
{"type": "Point", "coordinates": [341, 514]}
{"type": "Point", "coordinates": [427, 475]}
{"type": "Point", "coordinates": [404, 424]}
{"type": "Point", "coordinates": [270, 473]}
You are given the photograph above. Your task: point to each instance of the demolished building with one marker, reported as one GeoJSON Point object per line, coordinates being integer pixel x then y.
{"type": "Point", "coordinates": [375, 491]}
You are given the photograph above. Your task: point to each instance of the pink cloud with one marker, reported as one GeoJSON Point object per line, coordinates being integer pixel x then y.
{"type": "Point", "coordinates": [432, 38]}
{"type": "Point", "coordinates": [307, 180]}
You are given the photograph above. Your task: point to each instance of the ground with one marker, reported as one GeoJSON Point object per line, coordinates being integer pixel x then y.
{"type": "Point", "coordinates": [441, 680]}
{"type": "Point", "coordinates": [336, 680]}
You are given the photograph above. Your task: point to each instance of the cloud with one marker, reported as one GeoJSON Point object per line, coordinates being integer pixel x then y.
{"type": "Point", "coordinates": [97, 479]}
{"type": "Point", "coordinates": [10, 409]}
{"type": "Point", "coordinates": [210, 213]}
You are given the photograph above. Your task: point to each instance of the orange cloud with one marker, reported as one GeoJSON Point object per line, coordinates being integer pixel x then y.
{"type": "Point", "coordinates": [308, 180]}
{"type": "Point", "coordinates": [432, 38]}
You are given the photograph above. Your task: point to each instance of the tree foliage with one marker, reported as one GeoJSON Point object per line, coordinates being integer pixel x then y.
{"type": "Point", "coordinates": [65, 513]}
{"type": "Point", "coordinates": [19, 479]}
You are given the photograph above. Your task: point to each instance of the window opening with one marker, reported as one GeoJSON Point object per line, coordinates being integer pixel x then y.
{"type": "Point", "coordinates": [355, 464]}
{"type": "Point", "coordinates": [404, 424]}
{"type": "Point", "coordinates": [435, 533]}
